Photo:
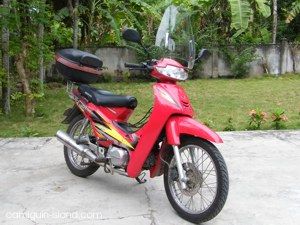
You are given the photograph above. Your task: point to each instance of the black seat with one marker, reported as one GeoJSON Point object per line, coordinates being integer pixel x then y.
{"type": "Point", "coordinates": [106, 98]}
{"type": "Point", "coordinates": [80, 57]}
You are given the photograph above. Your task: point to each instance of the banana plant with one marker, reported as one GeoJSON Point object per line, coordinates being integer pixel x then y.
{"type": "Point", "coordinates": [107, 17]}
{"type": "Point", "coordinates": [294, 12]}
{"type": "Point", "coordinates": [241, 11]}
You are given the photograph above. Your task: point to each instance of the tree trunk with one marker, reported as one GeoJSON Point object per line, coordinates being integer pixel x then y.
{"type": "Point", "coordinates": [41, 57]}
{"type": "Point", "coordinates": [40, 37]}
{"type": "Point", "coordinates": [275, 16]}
{"type": "Point", "coordinates": [73, 11]}
{"type": "Point", "coordinates": [251, 21]}
{"type": "Point", "coordinates": [75, 25]}
{"type": "Point", "coordinates": [5, 62]}
{"type": "Point", "coordinates": [29, 101]}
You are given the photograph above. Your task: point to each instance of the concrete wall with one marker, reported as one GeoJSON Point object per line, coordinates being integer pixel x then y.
{"type": "Point", "coordinates": [271, 59]}
{"type": "Point", "coordinates": [113, 59]}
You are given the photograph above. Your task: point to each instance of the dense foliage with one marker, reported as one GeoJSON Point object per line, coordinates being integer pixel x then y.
{"type": "Point", "coordinates": [214, 21]}
{"type": "Point", "coordinates": [32, 29]}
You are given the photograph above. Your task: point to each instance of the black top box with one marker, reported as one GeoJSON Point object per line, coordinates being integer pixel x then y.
{"type": "Point", "coordinates": [78, 66]}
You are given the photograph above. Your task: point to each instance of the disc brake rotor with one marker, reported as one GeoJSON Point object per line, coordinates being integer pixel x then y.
{"type": "Point", "coordinates": [195, 179]}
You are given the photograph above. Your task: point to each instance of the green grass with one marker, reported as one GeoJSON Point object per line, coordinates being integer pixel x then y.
{"type": "Point", "coordinates": [213, 100]}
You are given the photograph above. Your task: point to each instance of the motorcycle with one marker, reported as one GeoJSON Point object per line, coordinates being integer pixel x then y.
{"type": "Point", "coordinates": [168, 141]}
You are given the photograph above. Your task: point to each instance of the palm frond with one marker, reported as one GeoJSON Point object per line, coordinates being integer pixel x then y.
{"type": "Point", "coordinates": [294, 12]}
{"type": "Point", "coordinates": [114, 24]}
{"type": "Point", "coordinates": [240, 13]}
{"type": "Point", "coordinates": [264, 8]}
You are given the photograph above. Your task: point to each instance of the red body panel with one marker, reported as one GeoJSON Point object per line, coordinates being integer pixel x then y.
{"type": "Point", "coordinates": [172, 111]}
{"type": "Point", "coordinates": [109, 115]}
{"type": "Point", "coordinates": [177, 125]}
{"type": "Point", "coordinates": [170, 99]}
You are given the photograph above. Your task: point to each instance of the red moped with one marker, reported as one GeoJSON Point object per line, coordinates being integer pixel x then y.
{"type": "Point", "coordinates": [170, 143]}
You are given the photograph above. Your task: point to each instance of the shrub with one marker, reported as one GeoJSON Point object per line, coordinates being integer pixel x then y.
{"type": "Point", "coordinates": [278, 118]}
{"type": "Point", "coordinates": [257, 118]}
{"type": "Point", "coordinates": [240, 58]}
{"type": "Point", "coordinates": [209, 123]}
{"type": "Point", "coordinates": [230, 126]}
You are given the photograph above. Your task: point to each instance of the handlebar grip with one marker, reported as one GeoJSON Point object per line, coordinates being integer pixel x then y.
{"type": "Point", "coordinates": [134, 66]}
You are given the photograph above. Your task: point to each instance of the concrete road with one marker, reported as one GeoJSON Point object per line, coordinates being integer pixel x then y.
{"type": "Point", "coordinates": [36, 187]}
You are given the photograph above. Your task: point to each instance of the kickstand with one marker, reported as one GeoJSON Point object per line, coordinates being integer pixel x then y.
{"type": "Point", "coordinates": [140, 178]}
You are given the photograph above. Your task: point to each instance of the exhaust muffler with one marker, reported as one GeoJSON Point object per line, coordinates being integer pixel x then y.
{"type": "Point", "coordinates": [82, 150]}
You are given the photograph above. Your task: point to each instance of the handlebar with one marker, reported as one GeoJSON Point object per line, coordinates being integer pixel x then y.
{"type": "Point", "coordinates": [141, 66]}
{"type": "Point", "coordinates": [135, 66]}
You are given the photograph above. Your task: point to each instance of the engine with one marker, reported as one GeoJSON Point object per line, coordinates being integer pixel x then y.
{"type": "Point", "coordinates": [118, 156]}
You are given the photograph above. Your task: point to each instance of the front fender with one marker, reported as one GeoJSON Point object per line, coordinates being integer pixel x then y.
{"type": "Point", "coordinates": [177, 125]}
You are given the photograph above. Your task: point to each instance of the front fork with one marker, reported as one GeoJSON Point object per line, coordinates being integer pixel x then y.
{"type": "Point", "coordinates": [181, 172]}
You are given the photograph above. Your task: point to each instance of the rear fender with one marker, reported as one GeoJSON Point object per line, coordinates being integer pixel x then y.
{"type": "Point", "coordinates": [70, 114]}
{"type": "Point", "coordinates": [178, 125]}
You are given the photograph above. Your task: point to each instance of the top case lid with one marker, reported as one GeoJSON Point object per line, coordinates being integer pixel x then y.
{"type": "Point", "coordinates": [81, 57]}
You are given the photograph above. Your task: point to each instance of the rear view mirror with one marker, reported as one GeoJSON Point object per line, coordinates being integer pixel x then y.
{"type": "Point", "coordinates": [134, 36]}
{"type": "Point", "coordinates": [131, 35]}
{"type": "Point", "coordinates": [203, 54]}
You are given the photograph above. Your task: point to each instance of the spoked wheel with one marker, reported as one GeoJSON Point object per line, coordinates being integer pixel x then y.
{"type": "Point", "coordinates": [78, 165]}
{"type": "Point", "coordinates": [207, 185]}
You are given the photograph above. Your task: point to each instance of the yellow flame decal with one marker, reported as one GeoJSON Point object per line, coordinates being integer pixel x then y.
{"type": "Point", "coordinates": [113, 133]}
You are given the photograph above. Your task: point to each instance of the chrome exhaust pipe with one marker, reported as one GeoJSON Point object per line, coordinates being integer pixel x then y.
{"type": "Point", "coordinates": [82, 150]}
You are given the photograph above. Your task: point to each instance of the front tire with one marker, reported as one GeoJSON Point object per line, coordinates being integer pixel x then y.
{"type": "Point", "coordinates": [208, 184]}
{"type": "Point", "coordinates": [79, 166]}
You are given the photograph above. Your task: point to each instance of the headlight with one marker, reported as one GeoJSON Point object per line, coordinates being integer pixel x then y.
{"type": "Point", "coordinates": [173, 72]}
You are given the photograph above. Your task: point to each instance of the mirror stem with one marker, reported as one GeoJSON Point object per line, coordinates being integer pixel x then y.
{"type": "Point", "coordinates": [145, 49]}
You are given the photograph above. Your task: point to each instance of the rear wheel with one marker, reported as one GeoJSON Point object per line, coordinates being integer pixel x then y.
{"type": "Point", "coordinates": [78, 165]}
{"type": "Point", "coordinates": [208, 184]}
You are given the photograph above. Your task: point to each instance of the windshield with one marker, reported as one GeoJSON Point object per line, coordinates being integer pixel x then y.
{"type": "Point", "coordinates": [175, 38]}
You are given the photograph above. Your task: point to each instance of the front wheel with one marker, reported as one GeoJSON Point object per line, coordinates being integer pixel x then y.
{"type": "Point", "coordinates": [207, 185]}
